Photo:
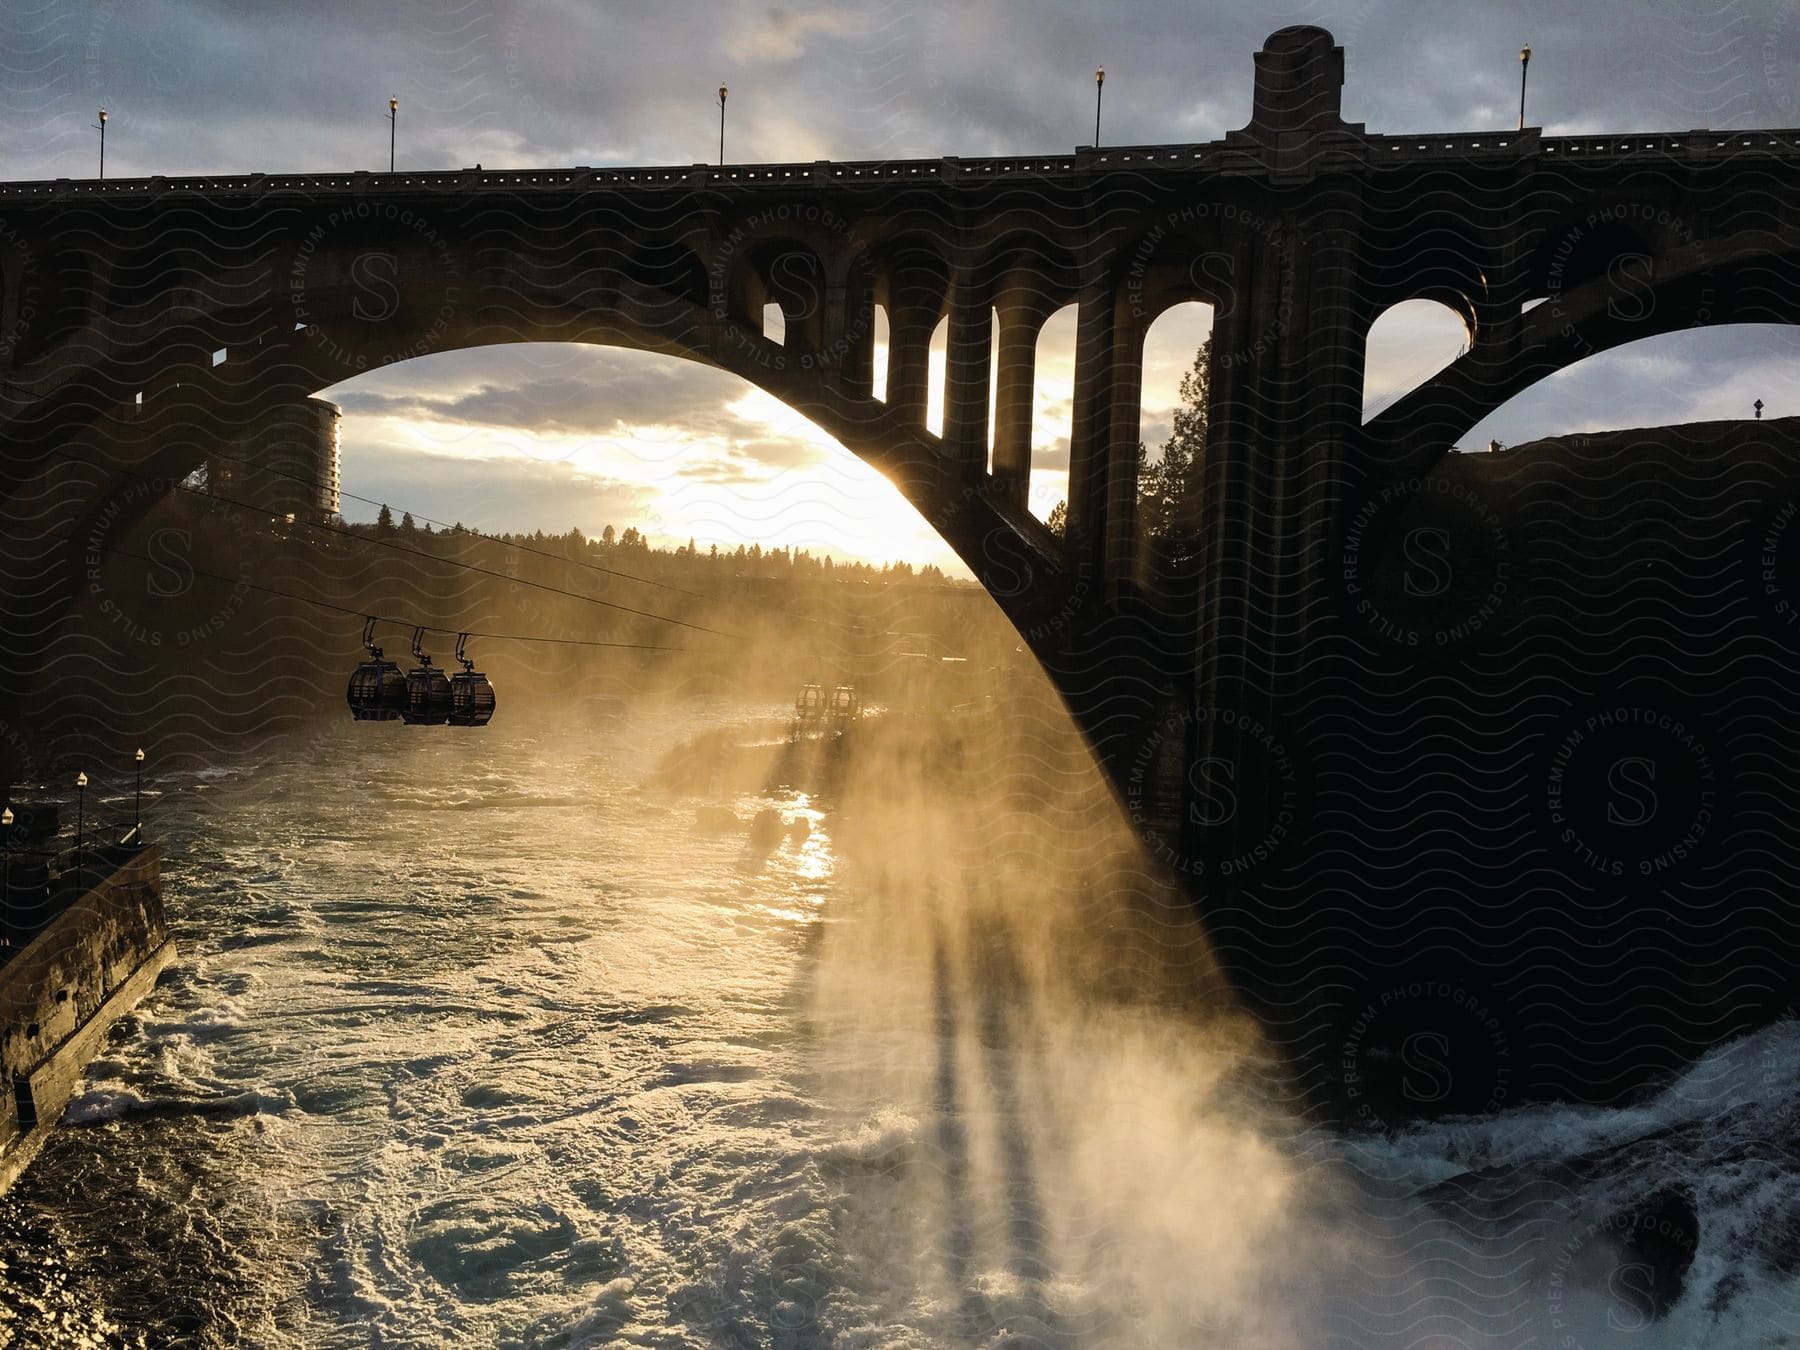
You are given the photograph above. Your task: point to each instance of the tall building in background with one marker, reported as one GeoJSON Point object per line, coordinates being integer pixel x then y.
{"type": "Point", "coordinates": [286, 463]}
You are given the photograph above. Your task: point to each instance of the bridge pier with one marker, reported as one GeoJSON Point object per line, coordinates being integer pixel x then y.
{"type": "Point", "coordinates": [967, 372]}
{"type": "Point", "coordinates": [1020, 322]}
{"type": "Point", "coordinates": [1090, 436]}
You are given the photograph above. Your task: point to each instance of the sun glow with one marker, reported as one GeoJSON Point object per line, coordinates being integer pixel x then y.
{"type": "Point", "coordinates": [738, 469]}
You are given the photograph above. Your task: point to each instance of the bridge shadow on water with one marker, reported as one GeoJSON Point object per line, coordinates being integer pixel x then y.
{"type": "Point", "coordinates": [1055, 1125]}
{"type": "Point", "coordinates": [1000, 1030]}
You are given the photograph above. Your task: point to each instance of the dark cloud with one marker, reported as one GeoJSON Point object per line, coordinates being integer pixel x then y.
{"type": "Point", "coordinates": [203, 85]}
{"type": "Point", "coordinates": [621, 390]}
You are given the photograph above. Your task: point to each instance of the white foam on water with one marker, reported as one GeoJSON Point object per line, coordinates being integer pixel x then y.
{"type": "Point", "coordinates": [878, 1090]}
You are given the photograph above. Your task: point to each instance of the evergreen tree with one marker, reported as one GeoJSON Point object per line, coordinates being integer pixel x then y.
{"type": "Point", "coordinates": [1169, 490]}
{"type": "Point", "coordinates": [406, 523]}
{"type": "Point", "coordinates": [385, 520]}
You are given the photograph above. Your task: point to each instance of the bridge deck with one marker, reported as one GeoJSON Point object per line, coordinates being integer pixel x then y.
{"type": "Point", "coordinates": [1365, 148]}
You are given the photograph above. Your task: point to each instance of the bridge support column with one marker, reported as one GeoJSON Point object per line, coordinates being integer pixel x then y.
{"type": "Point", "coordinates": [1090, 430]}
{"type": "Point", "coordinates": [1122, 456]}
{"type": "Point", "coordinates": [1285, 415]}
{"type": "Point", "coordinates": [1019, 324]}
{"type": "Point", "coordinates": [968, 368]}
{"type": "Point", "coordinates": [909, 360]}
{"type": "Point", "coordinates": [849, 334]}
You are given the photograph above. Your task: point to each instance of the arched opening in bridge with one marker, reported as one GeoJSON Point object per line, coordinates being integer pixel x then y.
{"type": "Point", "coordinates": [1409, 343]}
{"type": "Point", "coordinates": [1172, 432]}
{"type": "Point", "coordinates": [774, 324]}
{"type": "Point", "coordinates": [936, 383]}
{"type": "Point", "coordinates": [555, 444]}
{"type": "Point", "coordinates": [1052, 412]}
{"type": "Point", "coordinates": [938, 380]}
{"type": "Point", "coordinates": [993, 384]}
{"type": "Point", "coordinates": [1696, 375]}
{"type": "Point", "coordinates": [878, 342]}
{"type": "Point", "coordinates": [554, 435]}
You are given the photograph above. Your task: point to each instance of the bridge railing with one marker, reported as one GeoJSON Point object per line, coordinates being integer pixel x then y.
{"type": "Point", "coordinates": [1372, 148]}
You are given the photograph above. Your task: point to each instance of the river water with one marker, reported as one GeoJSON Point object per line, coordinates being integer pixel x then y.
{"type": "Point", "coordinates": [504, 1038]}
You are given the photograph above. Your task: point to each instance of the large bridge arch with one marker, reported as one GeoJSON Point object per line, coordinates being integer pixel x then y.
{"type": "Point", "coordinates": [1747, 277]}
{"type": "Point", "coordinates": [191, 404]}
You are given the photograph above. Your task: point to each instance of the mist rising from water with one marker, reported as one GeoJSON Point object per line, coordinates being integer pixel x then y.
{"type": "Point", "coordinates": [1053, 1126]}
{"type": "Point", "coordinates": [1058, 1129]}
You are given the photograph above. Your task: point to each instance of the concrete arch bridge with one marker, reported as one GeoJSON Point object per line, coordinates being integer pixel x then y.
{"type": "Point", "coordinates": [1344, 735]}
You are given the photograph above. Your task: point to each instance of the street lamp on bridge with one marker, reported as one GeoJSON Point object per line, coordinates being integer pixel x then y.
{"type": "Point", "coordinates": [393, 129]}
{"type": "Point", "coordinates": [101, 127]}
{"type": "Point", "coordinates": [722, 92]}
{"type": "Point", "coordinates": [1524, 66]}
{"type": "Point", "coordinates": [137, 809]}
{"type": "Point", "coordinates": [1099, 84]}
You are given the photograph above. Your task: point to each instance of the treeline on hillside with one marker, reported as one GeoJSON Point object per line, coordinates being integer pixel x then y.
{"type": "Point", "coordinates": [688, 559]}
{"type": "Point", "coordinates": [254, 617]}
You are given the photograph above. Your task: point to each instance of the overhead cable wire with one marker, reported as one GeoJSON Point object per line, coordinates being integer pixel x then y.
{"type": "Point", "coordinates": [427, 627]}
{"type": "Point", "coordinates": [397, 546]}
{"type": "Point", "coordinates": [317, 484]}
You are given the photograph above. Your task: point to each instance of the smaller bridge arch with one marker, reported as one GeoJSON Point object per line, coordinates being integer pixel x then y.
{"type": "Point", "coordinates": [1745, 277]}
{"type": "Point", "coordinates": [1410, 341]}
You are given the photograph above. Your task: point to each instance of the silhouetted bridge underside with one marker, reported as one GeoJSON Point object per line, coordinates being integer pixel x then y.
{"type": "Point", "coordinates": [147, 321]}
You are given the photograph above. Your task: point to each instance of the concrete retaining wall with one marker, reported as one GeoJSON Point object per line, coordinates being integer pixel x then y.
{"type": "Point", "coordinates": [58, 996]}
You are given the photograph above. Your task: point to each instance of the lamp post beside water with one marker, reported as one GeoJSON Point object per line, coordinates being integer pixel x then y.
{"type": "Point", "coordinates": [137, 809]}
{"type": "Point", "coordinates": [1099, 84]}
{"type": "Point", "coordinates": [6, 822]}
{"type": "Point", "coordinates": [80, 819]}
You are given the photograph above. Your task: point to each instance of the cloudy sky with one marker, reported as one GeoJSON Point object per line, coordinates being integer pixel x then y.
{"type": "Point", "coordinates": [548, 437]}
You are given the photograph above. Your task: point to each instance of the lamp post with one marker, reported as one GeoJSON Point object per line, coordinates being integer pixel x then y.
{"type": "Point", "coordinates": [1524, 66]}
{"type": "Point", "coordinates": [137, 809]}
{"type": "Point", "coordinates": [6, 820]}
{"type": "Point", "coordinates": [1758, 405]}
{"type": "Point", "coordinates": [722, 93]}
{"type": "Point", "coordinates": [393, 129]}
{"type": "Point", "coordinates": [80, 819]}
{"type": "Point", "coordinates": [1099, 84]}
{"type": "Point", "coordinates": [102, 126]}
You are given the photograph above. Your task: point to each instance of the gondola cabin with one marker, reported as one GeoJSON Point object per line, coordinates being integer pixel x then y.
{"type": "Point", "coordinates": [377, 691]}
{"type": "Point", "coordinates": [427, 690]}
{"type": "Point", "coordinates": [471, 692]}
{"type": "Point", "coordinates": [427, 697]}
{"type": "Point", "coordinates": [844, 703]}
{"type": "Point", "coordinates": [809, 703]}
